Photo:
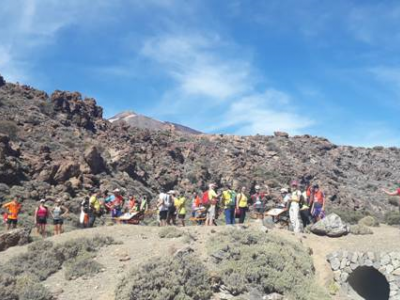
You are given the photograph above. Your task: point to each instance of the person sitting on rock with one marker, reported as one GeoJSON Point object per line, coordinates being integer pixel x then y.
{"type": "Point", "coordinates": [318, 206]}
{"type": "Point", "coordinates": [14, 208]}
{"type": "Point", "coordinates": [41, 214]}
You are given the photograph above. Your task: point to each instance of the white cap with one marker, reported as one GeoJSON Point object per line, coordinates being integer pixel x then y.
{"type": "Point", "coordinates": [116, 191]}
{"type": "Point", "coordinates": [257, 187]}
{"type": "Point", "coordinates": [171, 192]}
{"type": "Point", "coordinates": [42, 200]}
{"type": "Point", "coordinates": [284, 190]}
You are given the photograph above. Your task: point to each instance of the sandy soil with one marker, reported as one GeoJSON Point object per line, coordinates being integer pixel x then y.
{"type": "Point", "coordinates": [141, 243]}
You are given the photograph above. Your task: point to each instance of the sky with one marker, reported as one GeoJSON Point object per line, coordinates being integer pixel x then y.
{"type": "Point", "coordinates": [324, 68]}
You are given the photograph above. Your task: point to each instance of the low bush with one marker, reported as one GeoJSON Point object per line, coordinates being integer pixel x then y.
{"type": "Point", "coordinates": [350, 216]}
{"type": "Point", "coordinates": [392, 218]}
{"type": "Point", "coordinates": [170, 232]}
{"type": "Point", "coordinates": [245, 259]}
{"type": "Point", "coordinates": [82, 267]}
{"type": "Point", "coordinates": [360, 230]}
{"type": "Point", "coordinates": [369, 221]}
{"type": "Point", "coordinates": [22, 275]}
{"type": "Point", "coordinates": [176, 277]}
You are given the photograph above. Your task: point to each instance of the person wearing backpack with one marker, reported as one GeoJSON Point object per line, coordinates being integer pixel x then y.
{"type": "Point", "coordinates": [170, 200]}
{"type": "Point", "coordinates": [294, 210]}
{"type": "Point", "coordinates": [229, 202]}
{"type": "Point", "coordinates": [242, 205]}
{"type": "Point", "coordinates": [162, 205]}
{"type": "Point", "coordinates": [84, 216]}
{"type": "Point", "coordinates": [180, 205]}
{"type": "Point", "coordinates": [94, 207]}
{"type": "Point", "coordinates": [41, 214]}
{"type": "Point", "coordinates": [210, 199]}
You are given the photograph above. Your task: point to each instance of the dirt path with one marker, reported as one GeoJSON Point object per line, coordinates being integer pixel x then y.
{"type": "Point", "coordinates": [141, 243]}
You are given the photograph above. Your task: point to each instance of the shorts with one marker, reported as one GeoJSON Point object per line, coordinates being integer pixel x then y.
{"type": "Point", "coordinates": [58, 222]}
{"type": "Point", "coordinates": [12, 221]}
{"type": "Point", "coordinates": [115, 213]}
{"type": "Point", "coordinates": [163, 214]}
{"type": "Point", "coordinates": [41, 221]}
{"type": "Point", "coordinates": [211, 212]}
{"type": "Point", "coordinates": [259, 210]}
{"type": "Point", "coordinates": [181, 216]}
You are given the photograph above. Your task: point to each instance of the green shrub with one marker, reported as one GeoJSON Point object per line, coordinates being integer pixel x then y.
{"type": "Point", "coordinates": [360, 230]}
{"type": "Point", "coordinates": [82, 266]}
{"type": "Point", "coordinates": [245, 259]}
{"type": "Point", "coordinates": [392, 218]}
{"type": "Point", "coordinates": [21, 276]}
{"type": "Point", "coordinates": [369, 221]}
{"type": "Point", "coordinates": [170, 232]}
{"type": "Point", "coordinates": [350, 216]}
{"type": "Point", "coordinates": [177, 277]}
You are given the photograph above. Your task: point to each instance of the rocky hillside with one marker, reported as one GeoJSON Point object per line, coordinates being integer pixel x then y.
{"type": "Point", "coordinates": [139, 121]}
{"type": "Point", "coordinates": [60, 145]}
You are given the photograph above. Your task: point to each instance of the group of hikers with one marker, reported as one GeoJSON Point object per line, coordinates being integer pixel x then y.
{"type": "Point", "coordinates": [41, 215]}
{"type": "Point", "coordinates": [304, 204]}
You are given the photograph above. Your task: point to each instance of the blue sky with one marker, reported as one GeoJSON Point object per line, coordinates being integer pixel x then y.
{"type": "Point", "coordinates": [326, 68]}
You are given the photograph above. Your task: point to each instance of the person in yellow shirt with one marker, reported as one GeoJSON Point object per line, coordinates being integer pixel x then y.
{"type": "Point", "coordinates": [94, 207]}
{"type": "Point", "coordinates": [213, 198]}
{"type": "Point", "coordinates": [180, 204]}
{"type": "Point", "coordinates": [229, 201]}
{"type": "Point", "coordinates": [242, 204]}
{"type": "Point", "coordinates": [13, 207]}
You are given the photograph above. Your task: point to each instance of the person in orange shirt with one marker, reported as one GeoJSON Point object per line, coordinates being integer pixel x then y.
{"type": "Point", "coordinates": [13, 207]}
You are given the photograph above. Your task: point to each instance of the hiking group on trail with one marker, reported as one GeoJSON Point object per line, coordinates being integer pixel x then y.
{"type": "Point", "coordinates": [300, 205]}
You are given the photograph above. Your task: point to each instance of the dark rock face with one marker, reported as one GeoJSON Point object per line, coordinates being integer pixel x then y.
{"type": "Point", "coordinates": [19, 236]}
{"type": "Point", "coordinates": [61, 146]}
{"type": "Point", "coordinates": [2, 81]}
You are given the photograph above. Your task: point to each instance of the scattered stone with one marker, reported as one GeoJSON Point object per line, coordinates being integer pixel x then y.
{"type": "Point", "coordinates": [331, 226]}
{"type": "Point", "coordinates": [11, 238]}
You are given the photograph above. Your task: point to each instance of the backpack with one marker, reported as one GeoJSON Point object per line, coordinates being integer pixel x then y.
{"type": "Point", "coordinates": [233, 198]}
{"type": "Point", "coordinates": [205, 200]}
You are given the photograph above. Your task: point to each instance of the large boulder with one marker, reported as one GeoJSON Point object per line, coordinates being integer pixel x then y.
{"type": "Point", "coordinates": [19, 236]}
{"type": "Point", "coordinates": [332, 226]}
{"type": "Point", "coordinates": [2, 81]}
{"type": "Point", "coordinates": [95, 161]}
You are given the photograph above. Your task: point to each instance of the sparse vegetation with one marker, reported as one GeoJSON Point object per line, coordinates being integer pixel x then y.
{"type": "Point", "coordinates": [360, 229]}
{"type": "Point", "coordinates": [369, 221]}
{"type": "Point", "coordinates": [392, 218]}
{"type": "Point", "coordinates": [170, 233]}
{"type": "Point", "coordinates": [21, 276]}
{"type": "Point", "coordinates": [245, 259]}
{"type": "Point", "coordinates": [176, 277]}
{"type": "Point", "coordinates": [350, 216]}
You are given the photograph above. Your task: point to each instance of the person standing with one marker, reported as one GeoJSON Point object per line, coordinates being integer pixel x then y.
{"type": "Point", "coordinates": [394, 193]}
{"type": "Point", "coordinates": [229, 202]}
{"type": "Point", "coordinates": [294, 209]}
{"type": "Point", "coordinates": [212, 199]}
{"type": "Point", "coordinates": [259, 200]}
{"type": "Point", "coordinates": [162, 205]}
{"type": "Point", "coordinates": [14, 208]}
{"type": "Point", "coordinates": [171, 216]}
{"type": "Point", "coordinates": [41, 215]}
{"type": "Point", "coordinates": [180, 205]}
{"type": "Point", "coordinates": [318, 206]}
{"type": "Point", "coordinates": [117, 203]}
{"type": "Point", "coordinates": [305, 214]}
{"type": "Point", "coordinates": [58, 213]}
{"type": "Point", "coordinates": [242, 205]}
{"type": "Point", "coordinates": [94, 207]}
{"type": "Point", "coordinates": [84, 216]}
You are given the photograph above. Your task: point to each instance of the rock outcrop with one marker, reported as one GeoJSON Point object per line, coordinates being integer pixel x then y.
{"type": "Point", "coordinates": [331, 226]}
{"type": "Point", "coordinates": [11, 238]}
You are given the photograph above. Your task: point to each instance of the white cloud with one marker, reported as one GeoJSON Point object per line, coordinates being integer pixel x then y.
{"type": "Point", "coordinates": [218, 88]}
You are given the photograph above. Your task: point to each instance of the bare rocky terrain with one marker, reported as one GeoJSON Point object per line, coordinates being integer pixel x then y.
{"type": "Point", "coordinates": [60, 145]}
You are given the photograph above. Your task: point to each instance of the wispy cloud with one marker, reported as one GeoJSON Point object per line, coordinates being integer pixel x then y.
{"type": "Point", "coordinates": [224, 89]}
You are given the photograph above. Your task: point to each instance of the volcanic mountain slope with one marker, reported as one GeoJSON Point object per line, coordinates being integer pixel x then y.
{"type": "Point", "coordinates": [60, 146]}
{"type": "Point", "coordinates": [143, 122]}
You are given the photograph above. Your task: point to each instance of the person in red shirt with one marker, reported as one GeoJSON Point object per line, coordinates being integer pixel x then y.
{"type": "Point", "coordinates": [117, 204]}
{"type": "Point", "coordinates": [395, 193]}
{"type": "Point", "coordinates": [13, 207]}
{"type": "Point", "coordinates": [318, 203]}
